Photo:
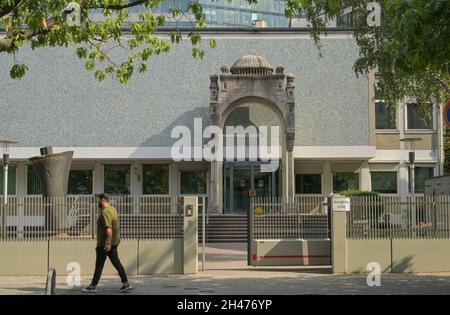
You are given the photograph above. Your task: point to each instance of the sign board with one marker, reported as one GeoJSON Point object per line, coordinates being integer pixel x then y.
{"type": "Point", "coordinates": [259, 210]}
{"type": "Point", "coordinates": [341, 204]}
{"type": "Point", "coordinates": [447, 114]}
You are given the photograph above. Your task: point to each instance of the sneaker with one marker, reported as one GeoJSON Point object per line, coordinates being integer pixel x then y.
{"type": "Point", "coordinates": [90, 289]}
{"type": "Point", "coordinates": [126, 288]}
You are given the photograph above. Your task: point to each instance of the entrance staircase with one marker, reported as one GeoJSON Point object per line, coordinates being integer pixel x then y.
{"type": "Point", "coordinates": [224, 229]}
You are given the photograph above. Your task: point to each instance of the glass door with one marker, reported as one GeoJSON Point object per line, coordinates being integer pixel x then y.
{"type": "Point", "coordinates": [239, 178]}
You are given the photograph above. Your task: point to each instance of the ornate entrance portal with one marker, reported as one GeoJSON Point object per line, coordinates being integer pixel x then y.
{"type": "Point", "coordinates": [250, 84]}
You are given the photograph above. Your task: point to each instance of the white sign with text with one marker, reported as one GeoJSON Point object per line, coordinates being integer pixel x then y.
{"type": "Point", "coordinates": [341, 204]}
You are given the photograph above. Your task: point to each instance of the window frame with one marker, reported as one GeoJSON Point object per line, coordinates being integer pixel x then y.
{"type": "Point", "coordinates": [426, 130]}
{"type": "Point", "coordinates": [386, 130]}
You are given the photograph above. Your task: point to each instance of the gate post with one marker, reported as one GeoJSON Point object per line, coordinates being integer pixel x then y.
{"type": "Point", "coordinates": [190, 239]}
{"type": "Point", "coordinates": [338, 234]}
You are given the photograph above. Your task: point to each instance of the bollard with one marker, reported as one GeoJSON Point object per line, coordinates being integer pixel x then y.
{"type": "Point", "coordinates": [51, 282]}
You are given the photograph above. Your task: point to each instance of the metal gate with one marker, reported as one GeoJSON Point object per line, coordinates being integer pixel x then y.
{"type": "Point", "coordinates": [289, 234]}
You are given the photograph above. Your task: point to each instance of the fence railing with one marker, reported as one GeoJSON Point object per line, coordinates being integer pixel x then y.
{"type": "Point", "coordinates": [399, 217]}
{"type": "Point", "coordinates": [275, 219]}
{"type": "Point", "coordinates": [39, 218]}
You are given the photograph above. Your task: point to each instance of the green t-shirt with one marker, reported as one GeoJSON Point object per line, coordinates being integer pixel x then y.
{"type": "Point", "coordinates": [108, 218]}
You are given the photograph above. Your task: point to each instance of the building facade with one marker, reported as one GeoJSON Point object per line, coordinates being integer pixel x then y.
{"type": "Point", "coordinates": [334, 134]}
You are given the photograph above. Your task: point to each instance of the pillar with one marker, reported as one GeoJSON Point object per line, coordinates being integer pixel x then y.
{"type": "Point", "coordinates": [290, 175]}
{"type": "Point", "coordinates": [190, 240]}
{"type": "Point", "coordinates": [338, 238]}
{"type": "Point", "coordinates": [365, 183]}
{"type": "Point", "coordinates": [327, 185]}
{"type": "Point", "coordinates": [98, 174]}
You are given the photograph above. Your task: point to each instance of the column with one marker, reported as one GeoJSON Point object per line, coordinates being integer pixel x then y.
{"type": "Point", "coordinates": [338, 239]}
{"type": "Point", "coordinates": [136, 185]}
{"type": "Point", "coordinates": [290, 175]}
{"type": "Point", "coordinates": [365, 182]}
{"type": "Point", "coordinates": [403, 179]}
{"type": "Point", "coordinates": [190, 245]}
{"type": "Point", "coordinates": [21, 190]}
{"type": "Point", "coordinates": [98, 174]}
{"type": "Point", "coordinates": [327, 185]}
{"type": "Point", "coordinates": [174, 185]}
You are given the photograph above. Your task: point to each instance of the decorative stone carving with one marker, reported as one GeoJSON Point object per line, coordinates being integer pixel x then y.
{"type": "Point", "coordinates": [252, 77]}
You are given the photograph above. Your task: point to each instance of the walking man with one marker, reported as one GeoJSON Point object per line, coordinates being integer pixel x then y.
{"type": "Point", "coordinates": [108, 239]}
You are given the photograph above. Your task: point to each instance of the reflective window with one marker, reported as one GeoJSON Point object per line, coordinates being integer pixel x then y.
{"type": "Point", "coordinates": [385, 117]}
{"type": "Point", "coordinates": [193, 182]}
{"type": "Point", "coordinates": [11, 181]}
{"type": "Point", "coordinates": [33, 182]}
{"type": "Point", "coordinates": [117, 179]}
{"type": "Point", "coordinates": [419, 117]}
{"type": "Point", "coordinates": [420, 174]}
{"type": "Point", "coordinates": [80, 182]}
{"type": "Point", "coordinates": [384, 182]}
{"type": "Point", "coordinates": [345, 181]}
{"type": "Point", "coordinates": [308, 183]}
{"type": "Point", "coordinates": [155, 179]}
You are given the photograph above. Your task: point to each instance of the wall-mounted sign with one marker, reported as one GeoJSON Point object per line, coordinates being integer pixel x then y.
{"type": "Point", "coordinates": [252, 193]}
{"type": "Point", "coordinates": [259, 210]}
{"type": "Point", "coordinates": [341, 204]}
{"type": "Point", "coordinates": [447, 114]}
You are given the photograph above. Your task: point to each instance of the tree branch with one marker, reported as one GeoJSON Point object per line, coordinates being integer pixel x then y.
{"type": "Point", "coordinates": [8, 9]}
{"type": "Point", "coordinates": [8, 42]}
{"type": "Point", "coordinates": [118, 6]}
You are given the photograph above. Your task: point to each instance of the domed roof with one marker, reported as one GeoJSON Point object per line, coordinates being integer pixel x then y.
{"type": "Point", "coordinates": [251, 64]}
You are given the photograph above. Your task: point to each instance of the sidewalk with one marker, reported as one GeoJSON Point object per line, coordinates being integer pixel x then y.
{"type": "Point", "coordinates": [227, 273]}
{"type": "Point", "coordinates": [255, 282]}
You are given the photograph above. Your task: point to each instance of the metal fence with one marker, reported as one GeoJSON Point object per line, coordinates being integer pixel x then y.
{"type": "Point", "coordinates": [399, 217]}
{"type": "Point", "coordinates": [39, 218]}
{"type": "Point", "coordinates": [305, 218]}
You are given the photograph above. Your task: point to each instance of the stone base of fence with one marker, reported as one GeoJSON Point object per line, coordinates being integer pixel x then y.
{"type": "Point", "coordinates": [291, 252]}
{"type": "Point", "coordinates": [139, 257]}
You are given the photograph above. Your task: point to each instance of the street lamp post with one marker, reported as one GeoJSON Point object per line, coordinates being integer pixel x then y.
{"type": "Point", "coordinates": [412, 160]}
{"type": "Point", "coordinates": [5, 144]}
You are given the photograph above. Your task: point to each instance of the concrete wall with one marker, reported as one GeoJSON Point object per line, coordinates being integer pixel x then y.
{"type": "Point", "coordinates": [33, 258]}
{"type": "Point", "coordinates": [291, 253]}
{"type": "Point", "coordinates": [59, 91]}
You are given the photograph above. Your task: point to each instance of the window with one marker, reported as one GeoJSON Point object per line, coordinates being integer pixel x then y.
{"type": "Point", "coordinates": [11, 181]}
{"type": "Point", "coordinates": [117, 179]}
{"type": "Point", "coordinates": [420, 174]}
{"type": "Point", "coordinates": [384, 116]}
{"type": "Point", "coordinates": [308, 183]}
{"type": "Point", "coordinates": [80, 182]}
{"type": "Point", "coordinates": [384, 182]}
{"type": "Point", "coordinates": [345, 181]}
{"type": "Point", "coordinates": [193, 182]}
{"type": "Point", "coordinates": [419, 117]}
{"type": "Point", "coordinates": [33, 182]}
{"type": "Point", "coordinates": [155, 179]}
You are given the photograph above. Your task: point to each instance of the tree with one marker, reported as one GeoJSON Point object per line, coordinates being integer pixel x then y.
{"type": "Point", "coordinates": [47, 23]}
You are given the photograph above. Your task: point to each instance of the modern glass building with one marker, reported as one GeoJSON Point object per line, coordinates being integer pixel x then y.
{"type": "Point", "coordinates": [224, 13]}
